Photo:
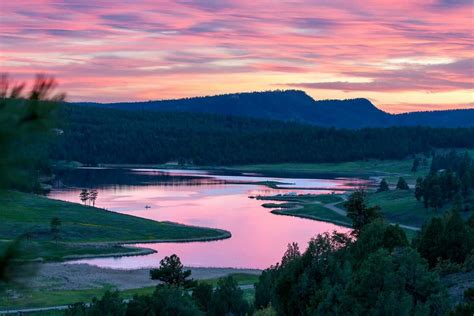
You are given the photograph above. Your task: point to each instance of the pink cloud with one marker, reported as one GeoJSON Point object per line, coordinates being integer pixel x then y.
{"type": "Point", "coordinates": [101, 46]}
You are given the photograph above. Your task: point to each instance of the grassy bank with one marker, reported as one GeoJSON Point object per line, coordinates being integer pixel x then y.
{"type": "Point", "coordinates": [307, 206]}
{"type": "Point", "coordinates": [317, 212]}
{"type": "Point", "coordinates": [401, 206]}
{"type": "Point", "coordinates": [84, 230]}
{"type": "Point", "coordinates": [389, 169]}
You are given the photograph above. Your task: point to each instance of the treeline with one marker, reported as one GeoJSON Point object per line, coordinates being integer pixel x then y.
{"type": "Point", "coordinates": [450, 180]}
{"type": "Point", "coordinates": [93, 135]}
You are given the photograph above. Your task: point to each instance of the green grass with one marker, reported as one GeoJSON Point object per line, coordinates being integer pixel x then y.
{"type": "Point", "coordinates": [241, 278]}
{"type": "Point", "coordinates": [402, 207]}
{"type": "Point", "coordinates": [309, 206]}
{"type": "Point", "coordinates": [316, 212]}
{"type": "Point", "coordinates": [35, 298]}
{"type": "Point", "coordinates": [31, 214]}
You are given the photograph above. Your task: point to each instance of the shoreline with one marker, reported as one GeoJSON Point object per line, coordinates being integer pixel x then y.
{"type": "Point", "coordinates": [134, 250]}
{"type": "Point", "coordinates": [142, 251]}
{"type": "Point", "coordinates": [252, 169]}
{"type": "Point", "coordinates": [282, 212]}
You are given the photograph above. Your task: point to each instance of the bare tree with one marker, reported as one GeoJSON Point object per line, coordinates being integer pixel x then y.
{"type": "Point", "coordinates": [84, 196]}
{"type": "Point", "coordinates": [93, 196]}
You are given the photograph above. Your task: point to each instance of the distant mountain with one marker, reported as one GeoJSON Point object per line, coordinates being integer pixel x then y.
{"type": "Point", "coordinates": [297, 106]}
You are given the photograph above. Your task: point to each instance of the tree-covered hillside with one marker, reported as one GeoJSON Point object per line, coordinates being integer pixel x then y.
{"type": "Point", "coordinates": [297, 106]}
{"type": "Point", "coordinates": [94, 135]}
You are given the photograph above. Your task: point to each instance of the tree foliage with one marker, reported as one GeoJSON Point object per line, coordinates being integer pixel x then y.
{"type": "Point", "coordinates": [359, 212]}
{"type": "Point", "coordinates": [377, 274]}
{"type": "Point", "coordinates": [26, 123]}
{"type": "Point", "coordinates": [450, 180]}
{"type": "Point", "coordinates": [171, 272]}
{"type": "Point", "coordinates": [402, 184]}
{"type": "Point", "coordinates": [228, 299]}
{"type": "Point", "coordinates": [449, 238]}
{"type": "Point", "coordinates": [96, 135]}
{"type": "Point", "coordinates": [383, 186]}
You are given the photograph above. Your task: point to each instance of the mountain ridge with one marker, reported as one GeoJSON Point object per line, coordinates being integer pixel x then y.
{"type": "Point", "coordinates": [297, 106]}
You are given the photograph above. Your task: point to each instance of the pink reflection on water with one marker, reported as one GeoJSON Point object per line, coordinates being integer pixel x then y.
{"type": "Point", "coordinates": [259, 238]}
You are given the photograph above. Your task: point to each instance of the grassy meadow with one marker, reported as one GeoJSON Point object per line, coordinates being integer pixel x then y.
{"type": "Point", "coordinates": [84, 230]}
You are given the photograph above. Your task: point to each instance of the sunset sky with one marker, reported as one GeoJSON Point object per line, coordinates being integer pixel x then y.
{"type": "Point", "coordinates": [402, 55]}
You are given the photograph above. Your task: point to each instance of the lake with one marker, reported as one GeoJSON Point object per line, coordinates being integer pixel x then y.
{"type": "Point", "coordinates": [204, 198]}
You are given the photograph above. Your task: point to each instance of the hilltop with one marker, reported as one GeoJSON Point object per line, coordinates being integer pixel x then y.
{"type": "Point", "coordinates": [297, 106]}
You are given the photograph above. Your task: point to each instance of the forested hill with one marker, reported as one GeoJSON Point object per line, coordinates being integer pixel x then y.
{"type": "Point", "coordinates": [94, 135]}
{"type": "Point", "coordinates": [297, 106]}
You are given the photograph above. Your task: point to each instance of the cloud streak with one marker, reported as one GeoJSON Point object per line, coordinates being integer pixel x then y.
{"type": "Point", "coordinates": [137, 50]}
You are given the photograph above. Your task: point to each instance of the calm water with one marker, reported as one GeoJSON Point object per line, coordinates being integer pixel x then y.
{"type": "Point", "coordinates": [199, 198]}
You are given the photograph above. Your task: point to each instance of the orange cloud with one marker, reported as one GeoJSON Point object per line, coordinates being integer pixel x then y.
{"type": "Point", "coordinates": [405, 54]}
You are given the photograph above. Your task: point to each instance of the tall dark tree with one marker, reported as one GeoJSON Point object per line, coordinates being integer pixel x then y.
{"type": "Point", "coordinates": [419, 189]}
{"type": "Point", "coordinates": [430, 244]}
{"type": "Point", "coordinates": [202, 295]}
{"type": "Point", "coordinates": [448, 238]}
{"type": "Point", "coordinates": [416, 164]}
{"type": "Point", "coordinates": [457, 240]}
{"type": "Point", "coordinates": [359, 212]}
{"type": "Point", "coordinates": [402, 184]}
{"type": "Point", "coordinates": [383, 186]}
{"type": "Point", "coordinates": [171, 272]}
{"type": "Point", "coordinates": [228, 299]}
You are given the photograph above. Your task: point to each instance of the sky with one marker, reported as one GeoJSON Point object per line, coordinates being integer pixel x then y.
{"type": "Point", "coordinates": [401, 55]}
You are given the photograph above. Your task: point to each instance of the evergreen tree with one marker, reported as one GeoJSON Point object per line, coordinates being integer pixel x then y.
{"type": "Point", "coordinates": [457, 239]}
{"type": "Point", "coordinates": [383, 186]}
{"type": "Point", "coordinates": [419, 189]}
{"type": "Point", "coordinates": [171, 272]}
{"type": "Point", "coordinates": [430, 244]}
{"type": "Point", "coordinates": [394, 237]}
{"type": "Point", "coordinates": [402, 184]}
{"type": "Point", "coordinates": [228, 299]}
{"type": "Point", "coordinates": [359, 212]}
{"type": "Point", "coordinates": [202, 295]}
